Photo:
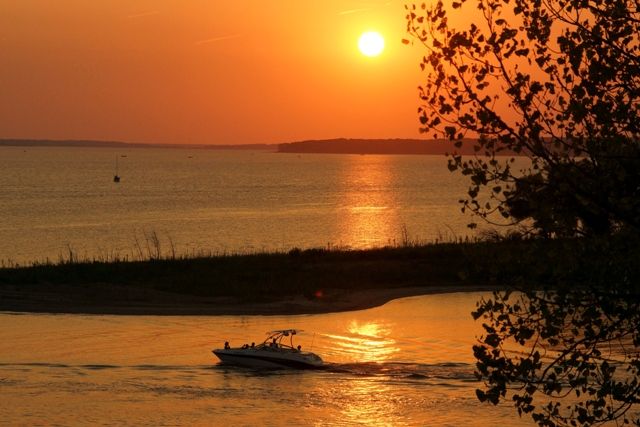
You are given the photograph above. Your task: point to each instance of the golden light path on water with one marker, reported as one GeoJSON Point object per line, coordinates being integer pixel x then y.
{"type": "Point", "coordinates": [367, 408]}
{"type": "Point", "coordinates": [367, 342]}
{"type": "Point", "coordinates": [369, 209]}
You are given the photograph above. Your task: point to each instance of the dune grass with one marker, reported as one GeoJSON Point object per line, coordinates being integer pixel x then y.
{"type": "Point", "coordinates": [259, 276]}
{"type": "Point", "coordinates": [264, 277]}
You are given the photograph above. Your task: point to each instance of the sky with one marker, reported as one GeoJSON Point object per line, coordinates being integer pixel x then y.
{"type": "Point", "coordinates": [205, 71]}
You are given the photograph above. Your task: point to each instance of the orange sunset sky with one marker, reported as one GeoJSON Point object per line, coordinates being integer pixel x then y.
{"type": "Point", "coordinates": [204, 71]}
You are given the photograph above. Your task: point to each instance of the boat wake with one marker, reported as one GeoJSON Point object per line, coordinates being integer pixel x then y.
{"type": "Point", "coordinates": [443, 373]}
{"type": "Point", "coordinates": [439, 374]}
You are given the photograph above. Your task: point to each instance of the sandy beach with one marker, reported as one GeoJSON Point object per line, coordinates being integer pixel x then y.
{"type": "Point", "coordinates": [110, 299]}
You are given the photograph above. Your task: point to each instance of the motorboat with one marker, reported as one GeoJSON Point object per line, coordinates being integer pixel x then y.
{"type": "Point", "coordinates": [274, 352]}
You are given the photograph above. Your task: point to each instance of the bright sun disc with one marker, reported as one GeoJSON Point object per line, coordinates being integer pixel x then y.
{"type": "Point", "coordinates": [371, 43]}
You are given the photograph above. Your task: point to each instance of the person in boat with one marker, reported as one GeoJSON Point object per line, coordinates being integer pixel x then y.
{"type": "Point", "coordinates": [226, 345]}
{"type": "Point", "coordinates": [274, 344]}
{"type": "Point", "coordinates": [299, 348]}
{"type": "Point", "coordinates": [253, 345]}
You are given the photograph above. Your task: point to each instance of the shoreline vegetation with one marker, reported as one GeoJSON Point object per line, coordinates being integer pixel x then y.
{"type": "Point", "coordinates": [293, 282]}
{"type": "Point", "coordinates": [306, 281]}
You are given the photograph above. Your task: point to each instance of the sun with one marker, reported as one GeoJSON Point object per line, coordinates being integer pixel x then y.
{"type": "Point", "coordinates": [371, 43]}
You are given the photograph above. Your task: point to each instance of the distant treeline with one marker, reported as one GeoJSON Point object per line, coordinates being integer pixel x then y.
{"type": "Point", "coordinates": [379, 146]}
{"type": "Point", "coordinates": [329, 146]}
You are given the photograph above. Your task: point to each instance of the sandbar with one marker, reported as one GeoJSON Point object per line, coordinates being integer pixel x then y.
{"type": "Point", "coordinates": [114, 301]}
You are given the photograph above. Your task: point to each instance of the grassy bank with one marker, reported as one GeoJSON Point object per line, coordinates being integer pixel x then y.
{"type": "Point", "coordinates": [323, 276]}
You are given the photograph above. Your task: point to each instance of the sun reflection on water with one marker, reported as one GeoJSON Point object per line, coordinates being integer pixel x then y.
{"type": "Point", "coordinates": [370, 216]}
{"type": "Point", "coordinates": [369, 341]}
{"type": "Point", "coordinates": [364, 404]}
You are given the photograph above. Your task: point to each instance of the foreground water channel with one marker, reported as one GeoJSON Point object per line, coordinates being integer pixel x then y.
{"type": "Point", "coordinates": [408, 362]}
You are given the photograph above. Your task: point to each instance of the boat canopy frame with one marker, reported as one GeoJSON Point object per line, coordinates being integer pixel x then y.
{"type": "Point", "coordinates": [278, 335]}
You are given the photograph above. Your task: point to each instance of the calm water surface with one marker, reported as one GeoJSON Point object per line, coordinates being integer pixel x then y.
{"type": "Point", "coordinates": [408, 362]}
{"type": "Point", "coordinates": [53, 199]}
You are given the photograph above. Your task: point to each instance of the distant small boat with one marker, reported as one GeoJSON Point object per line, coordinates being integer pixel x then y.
{"type": "Point", "coordinates": [116, 177]}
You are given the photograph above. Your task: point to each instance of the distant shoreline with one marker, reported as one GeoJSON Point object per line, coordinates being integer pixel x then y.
{"type": "Point", "coordinates": [383, 146]}
{"type": "Point", "coordinates": [119, 144]}
{"type": "Point", "coordinates": [326, 146]}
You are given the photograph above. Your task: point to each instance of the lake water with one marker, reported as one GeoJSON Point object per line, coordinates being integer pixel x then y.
{"type": "Point", "coordinates": [53, 199]}
{"type": "Point", "coordinates": [408, 362]}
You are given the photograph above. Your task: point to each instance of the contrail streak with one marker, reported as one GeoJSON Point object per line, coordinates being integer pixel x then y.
{"type": "Point", "coordinates": [215, 39]}
{"type": "Point", "coordinates": [142, 14]}
{"type": "Point", "coordinates": [350, 11]}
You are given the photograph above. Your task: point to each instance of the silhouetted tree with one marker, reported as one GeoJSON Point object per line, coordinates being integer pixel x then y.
{"type": "Point", "coordinates": [558, 82]}
{"type": "Point", "coordinates": [557, 210]}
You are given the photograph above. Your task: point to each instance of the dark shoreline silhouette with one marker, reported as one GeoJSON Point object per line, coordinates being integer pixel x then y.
{"type": "Point", "coordinates": [120, 144]}
{"type": "Point", "coordinates": [380, 146]}
{"type": "Point", "coordinates": [324, 146]}
{"type": "Point", "coordinates": [307, 281]}
{"type": "Point", "coordinates": [294, 282]}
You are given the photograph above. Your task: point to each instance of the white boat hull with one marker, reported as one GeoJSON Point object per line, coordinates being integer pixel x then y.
{"type": "Point", "coordinates": [266, 358]}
